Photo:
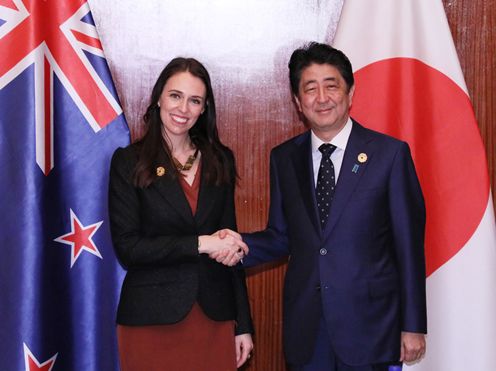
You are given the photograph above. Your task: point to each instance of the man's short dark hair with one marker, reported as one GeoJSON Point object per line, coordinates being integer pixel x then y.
{"type": "Point", "coordinates": [319, 54]}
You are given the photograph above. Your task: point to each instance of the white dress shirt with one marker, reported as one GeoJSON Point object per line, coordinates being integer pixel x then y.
{"type": "Point", "coordinates": [340, 141]}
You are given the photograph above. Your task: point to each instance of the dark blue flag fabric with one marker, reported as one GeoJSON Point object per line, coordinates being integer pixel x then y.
{"type": "Point", "coordinates": [60, 121]}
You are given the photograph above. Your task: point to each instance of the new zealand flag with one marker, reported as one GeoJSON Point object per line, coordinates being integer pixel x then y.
{"type": "Point", "coordinates": [60, 121]}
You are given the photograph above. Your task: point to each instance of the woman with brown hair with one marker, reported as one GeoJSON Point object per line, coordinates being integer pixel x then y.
{"type": "Point", "coordinates": [169, 194]}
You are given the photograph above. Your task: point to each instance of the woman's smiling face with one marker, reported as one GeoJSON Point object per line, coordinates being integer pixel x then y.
{"type": "Point", "coordinates": [181, 103]}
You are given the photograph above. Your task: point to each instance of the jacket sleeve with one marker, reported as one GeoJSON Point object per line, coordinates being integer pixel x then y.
{"type": "Point", "coordinates": [272, 243]}
{"type": "Point", "coordinates": [408, 227]}
{"type": "Point", "coordinates": [132, 247]}
{"type": "Point", "coordinates": [244, 322]}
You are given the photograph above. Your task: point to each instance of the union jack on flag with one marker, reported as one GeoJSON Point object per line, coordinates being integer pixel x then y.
{"type": "Point", "coordinates": [60, 122]}
{"type": "Point", "coordinates": [67, 34]}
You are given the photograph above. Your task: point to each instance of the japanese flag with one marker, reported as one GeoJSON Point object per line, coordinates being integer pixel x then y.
{"type": "Point", "coordinates": [409, 84]}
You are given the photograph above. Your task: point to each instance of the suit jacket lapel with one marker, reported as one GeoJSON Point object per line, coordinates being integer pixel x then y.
{"type": "Point", "coordinates": [350, 173]}
{"type": "Point", "coordinates": [303, 165]}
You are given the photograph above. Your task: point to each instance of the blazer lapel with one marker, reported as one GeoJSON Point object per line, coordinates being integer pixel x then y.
{"type": "Point", "coordinates": [171, 191]}
{"type": "Point", "coordinates": [207, 197]}
{"type": "Point", "coordinates": [350, 173]}
{"type": "Point", "coordinates": [303, 165]}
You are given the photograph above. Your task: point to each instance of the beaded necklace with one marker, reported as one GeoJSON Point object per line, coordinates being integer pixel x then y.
{"type": "Point", "coordinates": [188, 164]}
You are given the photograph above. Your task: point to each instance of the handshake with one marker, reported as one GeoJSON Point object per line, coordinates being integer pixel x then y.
{"type": "Point", "coordinates": [225, 246]}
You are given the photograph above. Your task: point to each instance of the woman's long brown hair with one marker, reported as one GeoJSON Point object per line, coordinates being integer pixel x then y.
{"type": "Point", "coordinates": [217, 159]}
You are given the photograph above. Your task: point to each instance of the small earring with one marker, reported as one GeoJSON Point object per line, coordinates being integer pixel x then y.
{"type": "Point", "coordinates": [158, 104]}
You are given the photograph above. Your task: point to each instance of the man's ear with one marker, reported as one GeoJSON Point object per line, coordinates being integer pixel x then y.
{"type": "Point", "coordinates": [351, 93]}
{"type": "Point", "coordinates": [297, 102]}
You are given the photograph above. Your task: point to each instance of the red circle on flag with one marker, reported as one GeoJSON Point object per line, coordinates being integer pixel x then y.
{"type": "Point", "coordinates": [414, 102]}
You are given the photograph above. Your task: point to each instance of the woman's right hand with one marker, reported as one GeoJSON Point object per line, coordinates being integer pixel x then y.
{"type": "Point", "coordinates": [228, 250]}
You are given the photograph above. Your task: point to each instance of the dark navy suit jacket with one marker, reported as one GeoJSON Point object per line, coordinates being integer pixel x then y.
{"type": "Point", "coordinates": [365, 272]}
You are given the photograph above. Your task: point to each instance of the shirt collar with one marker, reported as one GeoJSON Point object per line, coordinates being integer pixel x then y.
{"type": "Point", "coordinates": [340, 140]}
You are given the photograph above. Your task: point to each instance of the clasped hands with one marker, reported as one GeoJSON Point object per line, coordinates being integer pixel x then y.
{"type": "Point", "coordinates": [225, 246]}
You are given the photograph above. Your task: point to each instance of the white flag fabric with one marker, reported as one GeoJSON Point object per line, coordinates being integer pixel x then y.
{"type": "Point", "coordinates": [409, 84]}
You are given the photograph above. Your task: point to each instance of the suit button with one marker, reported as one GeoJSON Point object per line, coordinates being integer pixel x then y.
{"type": "Point", "coordinates": [323, 251]}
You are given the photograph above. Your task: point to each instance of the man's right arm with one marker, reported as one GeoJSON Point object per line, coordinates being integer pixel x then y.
{"type": "Point", "coordinates": [271, 243]}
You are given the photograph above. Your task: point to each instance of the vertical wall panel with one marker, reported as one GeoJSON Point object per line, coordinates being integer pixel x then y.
{"type": "Point", "coordinates": [473, 25]}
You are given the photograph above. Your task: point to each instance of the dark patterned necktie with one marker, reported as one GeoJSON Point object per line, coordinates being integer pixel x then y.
{"type": "Point", "coordinates": [325, 182]}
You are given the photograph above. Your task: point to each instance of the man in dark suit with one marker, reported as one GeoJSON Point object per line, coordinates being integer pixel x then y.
{"type": "Point", "coordinates": [351, 217]}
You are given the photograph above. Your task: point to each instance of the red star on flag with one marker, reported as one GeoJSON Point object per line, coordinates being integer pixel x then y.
{"type": "Point", "coordinates": [32, 364]}
{"type": "Point", "coordinates": [80, 238]}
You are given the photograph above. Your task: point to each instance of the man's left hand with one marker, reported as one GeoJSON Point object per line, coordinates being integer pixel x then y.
{"type": "Point", "coordinates": [412, 346]}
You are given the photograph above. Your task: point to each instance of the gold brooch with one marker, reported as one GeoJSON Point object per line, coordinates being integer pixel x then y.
{"type": "Point", "coordinates": [160, 171]}
{"type": "Point", "coordinates": [362, 157]}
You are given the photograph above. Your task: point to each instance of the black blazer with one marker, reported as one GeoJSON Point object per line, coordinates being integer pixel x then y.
{"type": "Point", "coordinates": [155, 237]}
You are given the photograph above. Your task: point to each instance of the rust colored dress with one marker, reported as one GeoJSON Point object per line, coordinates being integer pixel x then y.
{"type": "Point", "coordinates": [196, 343]}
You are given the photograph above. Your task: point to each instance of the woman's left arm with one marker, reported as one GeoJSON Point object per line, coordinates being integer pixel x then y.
{"type": "Point", "coordinates": [244, 324]}
{"type": "Point", "coordinates": [228, 220]}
